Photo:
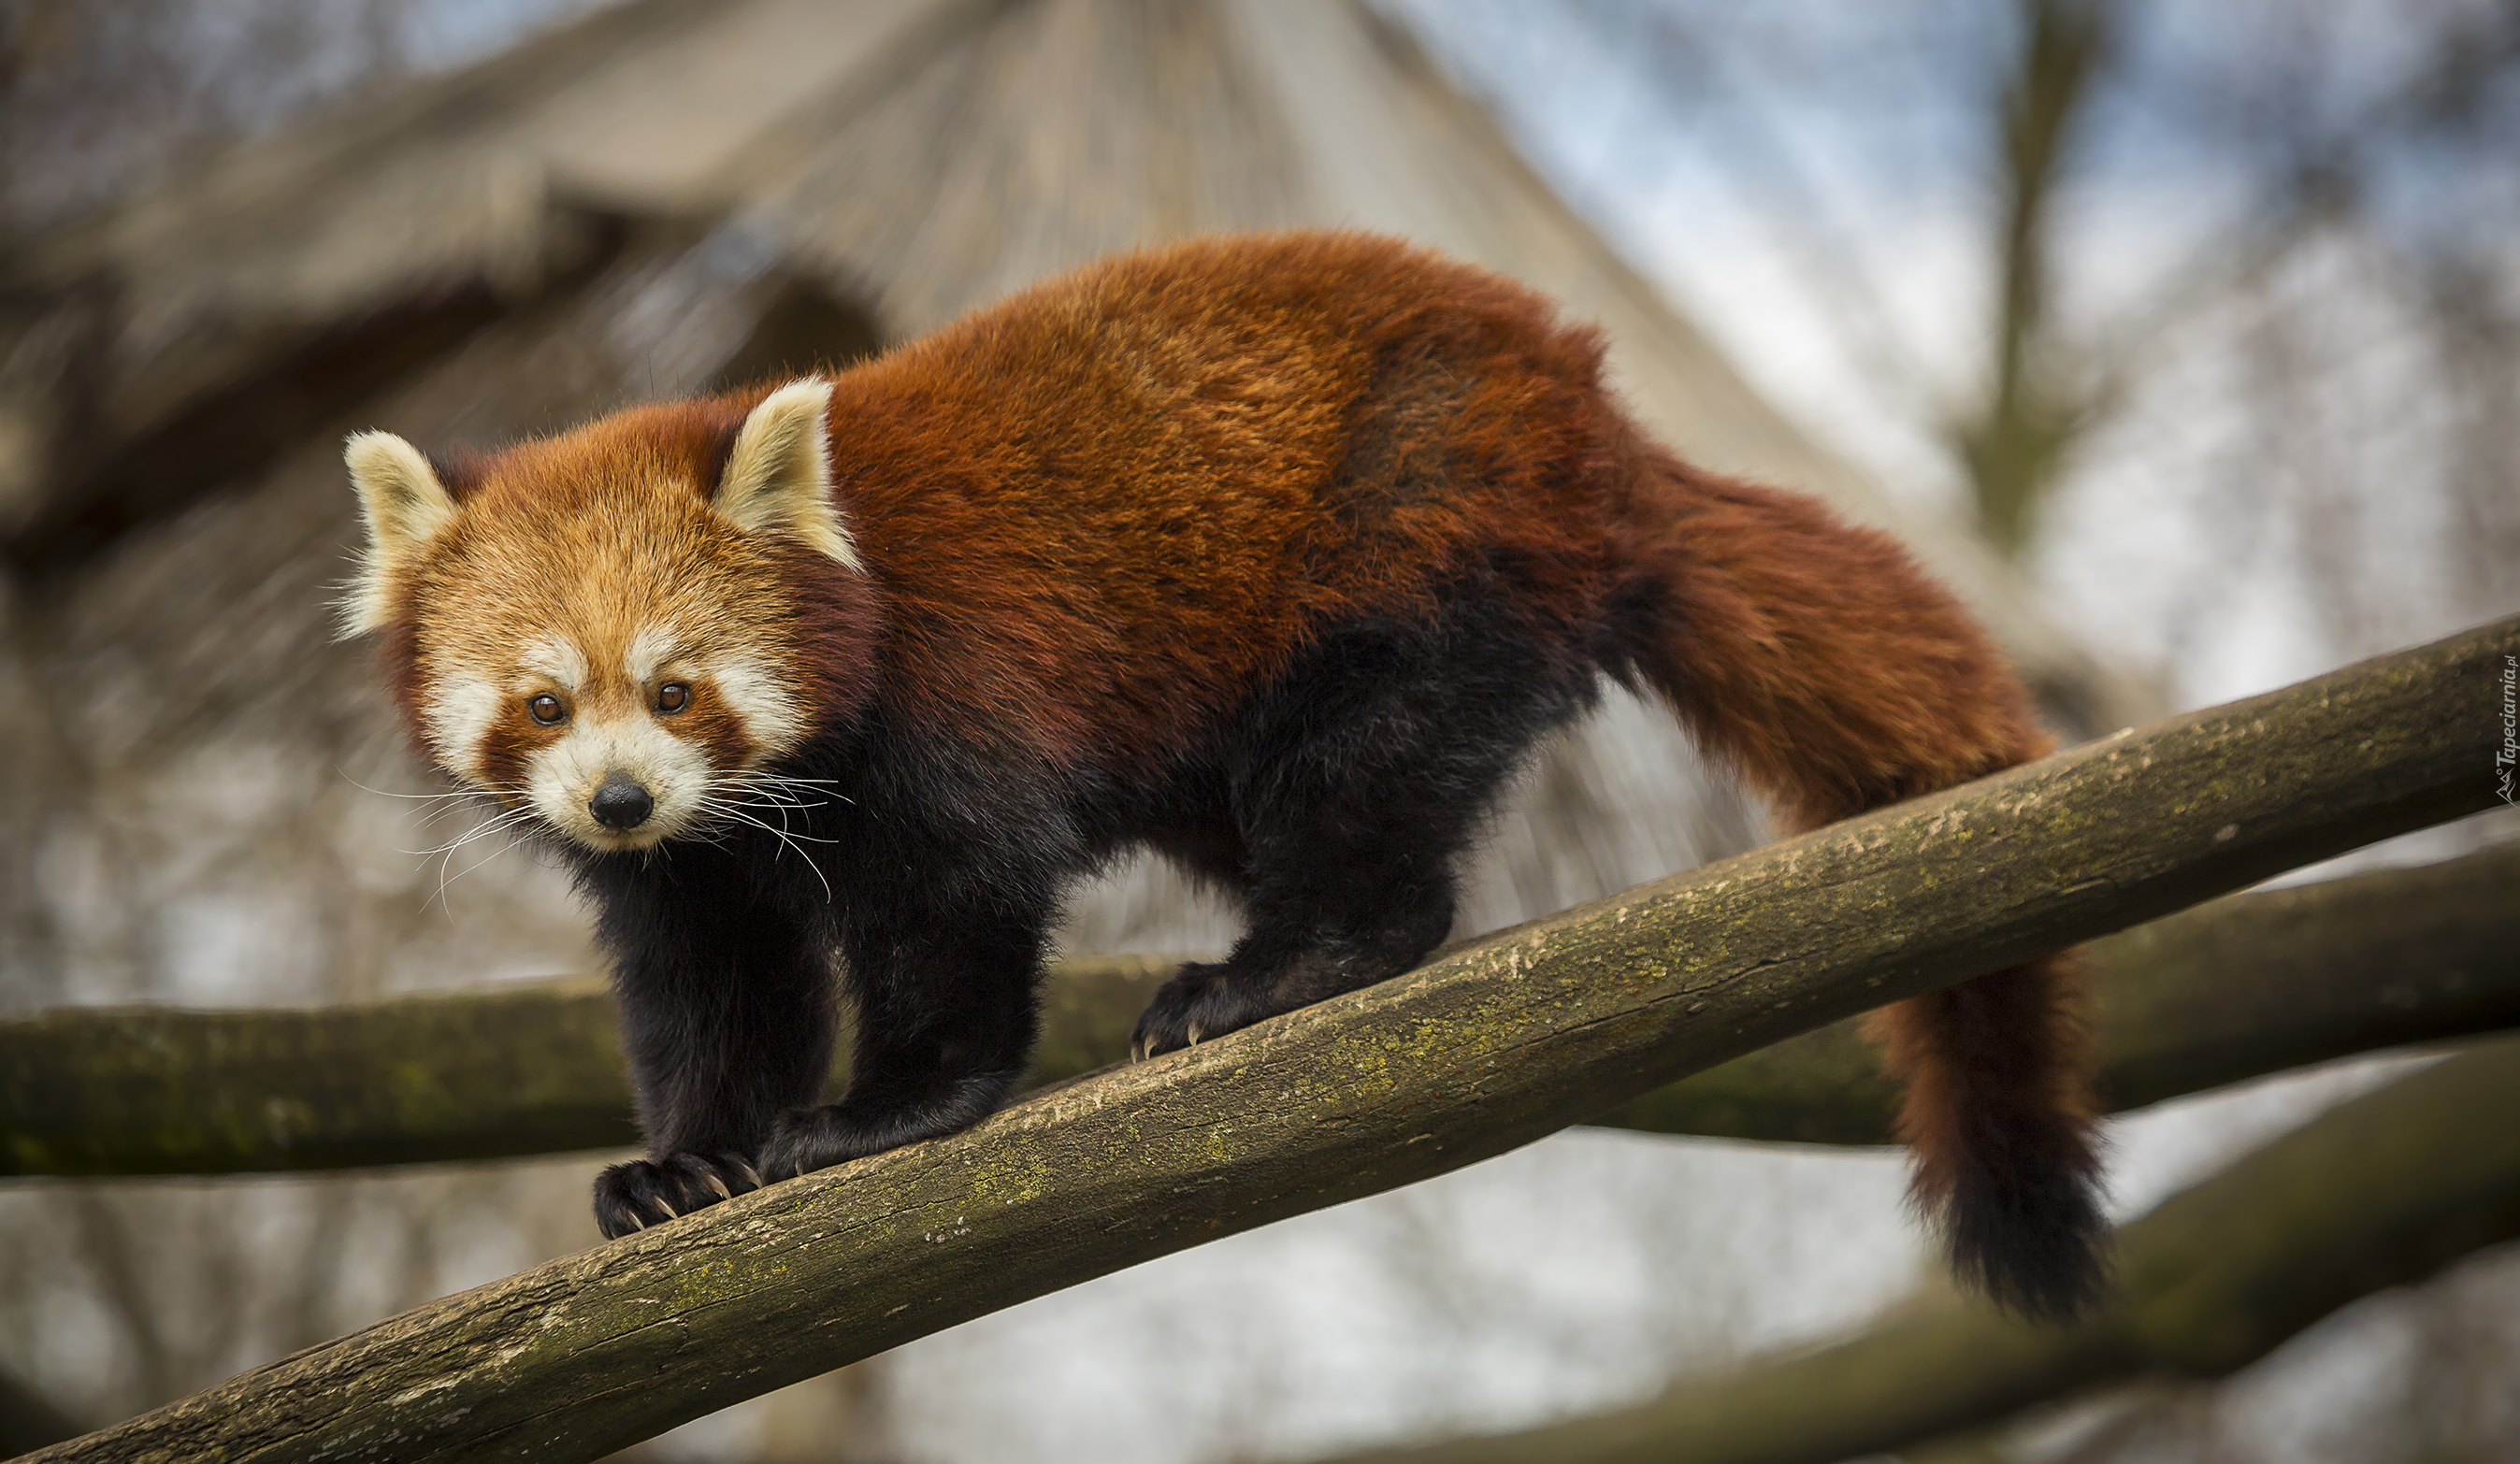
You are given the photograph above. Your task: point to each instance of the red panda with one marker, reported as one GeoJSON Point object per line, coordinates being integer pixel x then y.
{"type": "Point", "coordinates": [1275, 554]}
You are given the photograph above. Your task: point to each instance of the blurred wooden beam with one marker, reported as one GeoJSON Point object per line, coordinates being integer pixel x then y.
{"type": "Point", "coordinates": [1483, 1049]}
{"type": "Point", "coordinates": [239, 307]}
{"type": "Point", "coordinates": [2245, 986]}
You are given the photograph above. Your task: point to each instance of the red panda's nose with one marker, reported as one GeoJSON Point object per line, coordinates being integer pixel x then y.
{"type": "Point", "coordinates": [620, 803]}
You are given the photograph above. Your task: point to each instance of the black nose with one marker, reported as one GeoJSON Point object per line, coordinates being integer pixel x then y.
{"type": "Point", "coordinates": [621, 803]}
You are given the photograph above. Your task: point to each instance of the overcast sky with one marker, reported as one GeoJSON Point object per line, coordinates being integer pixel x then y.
{"type": "Point", "coordinates": [1789, 168]}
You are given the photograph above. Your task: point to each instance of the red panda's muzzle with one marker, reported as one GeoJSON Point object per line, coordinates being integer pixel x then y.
{"type": "Point", "coordinates": [621, 803]}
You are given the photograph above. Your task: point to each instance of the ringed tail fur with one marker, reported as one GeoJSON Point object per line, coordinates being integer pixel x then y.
{"type": "Point", "coordinates": [1816, 658]}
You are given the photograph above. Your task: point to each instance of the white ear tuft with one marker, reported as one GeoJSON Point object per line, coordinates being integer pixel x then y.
{"type": "Point", "coordinates": [404, 506]}
{"type": "Point", "coordinates": [778, 479]}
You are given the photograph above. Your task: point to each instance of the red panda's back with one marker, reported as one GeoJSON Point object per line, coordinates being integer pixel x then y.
{"type": "Point", "coordinates": [1111, 506]}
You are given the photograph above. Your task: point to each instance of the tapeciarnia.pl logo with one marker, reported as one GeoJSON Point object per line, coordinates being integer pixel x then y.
{"type": "Point", "coordinates": [2508, 756]}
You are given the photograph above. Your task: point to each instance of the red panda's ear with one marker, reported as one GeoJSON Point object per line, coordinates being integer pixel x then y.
{"type": "Point", "coordinates": [777, 478]}
{"type": "Point", "coordinates": [404, 506]}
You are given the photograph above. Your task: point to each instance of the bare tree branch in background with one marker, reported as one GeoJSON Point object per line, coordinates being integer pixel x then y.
{"type": "Point", "coordinates": [2014, 437]}
{"type": "Point", "coordinates": [1475, 1053]}
{"type": "Point", "coordinates": [2051, 380]}
{"type": "Point", "coordinates": [2010, 434]}
{"type": "Point", "coordinates": [2382, 1190]}
{"type": "Point", "coordinates": [2235, 988]}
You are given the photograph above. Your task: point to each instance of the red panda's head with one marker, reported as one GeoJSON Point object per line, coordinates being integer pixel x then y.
{"type": "Point", "coordinates": [619, 626]}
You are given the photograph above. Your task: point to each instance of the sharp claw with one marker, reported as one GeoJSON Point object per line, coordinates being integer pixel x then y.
{"type": "Point", "coordinates": [751, 1176]}
{"type": "Point", "coordinates": [670, 1212]}
{"type": "Point", "coordinates": [1194, 1034]}
{"type": "Point", "coordinates": [636, 1222]}
{"type": "Point", "coordinates": [718, 1185]}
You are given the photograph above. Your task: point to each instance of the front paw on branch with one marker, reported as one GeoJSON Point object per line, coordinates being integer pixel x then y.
{"type": "Point", "coordinates": [806, 1139]}
{"type": "Point", "coordinates": [1202, 1001]}
{"type": "Point", "coordinates": [644, 1192]}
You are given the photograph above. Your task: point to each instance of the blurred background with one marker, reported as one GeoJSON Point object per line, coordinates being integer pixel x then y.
{"type": "Point", "coordinates": [2184, 340]}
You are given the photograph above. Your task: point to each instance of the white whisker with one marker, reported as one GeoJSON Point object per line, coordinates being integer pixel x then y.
{"type": "Point", "coordinates": [737, 812]}
{"type": "Point", "coordinates": [505, 819]}
{"type": "Point", "coordinates": [388, 793]}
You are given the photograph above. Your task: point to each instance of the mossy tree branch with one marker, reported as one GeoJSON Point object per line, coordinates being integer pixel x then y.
{"type": "Point", "coordinates": [2382, 1190]}
{"type": "Point", "coordinates": [2235, 988]}
{"type": "Point", "coordinates": [487, 1073]}
{"type": "Point", "coordinates": [1475, 1053]}
{"type": "Point", "coordinates": [2241, 986]}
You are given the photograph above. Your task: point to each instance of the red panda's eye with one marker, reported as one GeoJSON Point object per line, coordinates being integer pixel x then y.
{"type": "Point", "coordinates": [546, 709]}
{"type": "Point", "coordinates": [673, 697]}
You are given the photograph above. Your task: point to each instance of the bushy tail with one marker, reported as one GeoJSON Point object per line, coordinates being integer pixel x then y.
{"type": "Point", "coordinates": [1817, 659]}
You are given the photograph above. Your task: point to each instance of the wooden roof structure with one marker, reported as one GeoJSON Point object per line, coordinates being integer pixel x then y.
{"type": "Point", "coordinates": [671, 193]}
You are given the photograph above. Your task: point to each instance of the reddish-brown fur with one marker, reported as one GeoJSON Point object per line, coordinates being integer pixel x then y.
{"type": "Point", "coordinates": [1103, 514]}
{"type": "Point", "coordinates": [1815, 659]}
{"type": "Point", "coordinates": [1811, 656]}
{"type": "Point", "coordinates": [1200, 534]}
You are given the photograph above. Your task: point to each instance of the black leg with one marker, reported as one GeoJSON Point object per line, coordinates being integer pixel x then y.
{"type": "Point", "coordinates": [946, 1019]}
{"type": "Point", "coordinates": [1305, 945]}
{"type": "Point", "coordinates": [726, 1018]}
{"type": "Point", "coordinates": [1355, 789]}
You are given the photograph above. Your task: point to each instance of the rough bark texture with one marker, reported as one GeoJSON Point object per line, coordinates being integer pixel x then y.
{"type": "Point", "coordinates": [2244, 986]}
{"type": "Point", "coordinates": [1475, 1053]}
{"type": "Point", "coordinates": [484, 1074]}
{"type": "Point", "coordinates": [130, 1091]}
{"type": "Point", "coordinates": [2385, 1189]}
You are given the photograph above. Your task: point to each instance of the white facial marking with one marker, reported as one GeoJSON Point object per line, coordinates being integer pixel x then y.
{"type": "Point", "coordinates": [459, 713]}
{"type": "Point", "coordinates": [558, 659]}
{"type": "Point", "coordinates": [650, 650]}
{"type": "Point", "coordinates": [562, 779]}
{"type": "Point", "coordinates": [771, 715]}
{"type": "Point", "coordinates": [563, 776]}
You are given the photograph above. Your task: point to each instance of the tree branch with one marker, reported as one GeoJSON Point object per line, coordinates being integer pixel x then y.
{"type": "Point", "coordinates": [2012, 441]}
{"type": "Point", "coordinates": [486, 1072]}
{"type": "Point", "coordinates": [2244, 986]}
{"type": "Point", "coordinates": [1477, 1052]}
{"type": "Point", "coordinates": [2237, 988]}
{"type": "Point", "coordinates": [2382, 1190]}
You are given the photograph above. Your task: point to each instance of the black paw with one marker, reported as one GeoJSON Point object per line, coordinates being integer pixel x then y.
{"type": "Point", "coordinates": [805, 1139]}
{"type": "Point", "coordinates": [651, 1191]}
{"type": "Point", "coordinates": [1200, 1003]}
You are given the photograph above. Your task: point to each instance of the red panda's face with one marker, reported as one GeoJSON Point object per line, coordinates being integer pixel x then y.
{"type": "Point", "coordinates": [597, 636]}
{"type": "Point", "coordinates": [617, 669]}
